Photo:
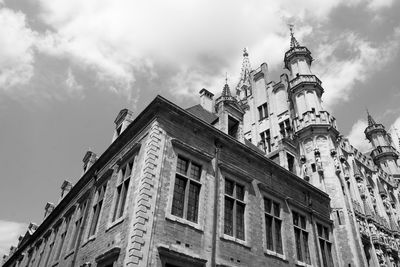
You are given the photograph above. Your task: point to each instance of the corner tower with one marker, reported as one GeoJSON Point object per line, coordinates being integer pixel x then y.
{"type": "Point", "coordinates": [319, 153]}
{"type": "Point", "coordinates": [383, 153]}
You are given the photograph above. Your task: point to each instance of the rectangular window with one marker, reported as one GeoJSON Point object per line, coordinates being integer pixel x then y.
{"type": "Point", "coordinates": [50, 253]}
{"type": "Point", "coordinates": [263, 111]}
{"type": "Point", "coordinates": [96, 209]}
{"type": "Point", "coordinates": [77, 225]}
{"type": "Point", "coordinates": [62, 238]}
{"type": "Point", "coordinates": [301, 238]}
{"type": "Point", "coordinates": [43, 248]}
{"type": "Point", "coordinates": [273, 225]}
{"type": "Point", "coordinates": [185, 202]}
{"type": "Point", "coordinates": [325, 245]}
{"type": "Point", "coordinates": [234, 209]}
{"type": "Point", "coordinates": [124, 177]}
{"type": "Point", "coordinates": [266, 140]}
{"type": "Point", "coordinates": [285, 128]}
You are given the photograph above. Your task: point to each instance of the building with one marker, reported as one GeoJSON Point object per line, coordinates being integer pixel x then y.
{"type": "Point", "coordinates": [259, 178]}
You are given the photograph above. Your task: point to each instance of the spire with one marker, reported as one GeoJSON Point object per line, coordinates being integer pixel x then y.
{"type": "Point", "coordinates": [226, 92]}
{"type": "Point", "coordinates": [246, 67]}
{"type": "Point", "coordinates": [293, 41]}
{"type": "Point", "coordinates": [371, 121]}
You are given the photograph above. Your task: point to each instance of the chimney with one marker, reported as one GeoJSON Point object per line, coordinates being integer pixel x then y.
{"type": "Point", "coordinates": [206, 100]}
{"type": "Point", "coordinates": [65, 188]}
{"type": "Point", "coordinates": [88, 160]}
{"type": "Point", "coordinates": [32, 228]}
{"type": "Point", "coordinates": [122, 121]}
{"type": "Point", "coordinates": [48, 209]}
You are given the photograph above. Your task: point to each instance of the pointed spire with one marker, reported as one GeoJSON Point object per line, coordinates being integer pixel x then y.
{"type": "Point", "coordinates": [246, 67]}
{"type": "Point", "coordinates": [293, 41]}
{"type": "Point", "coordinates": [371, 121]}
{"type": "Point", "coordinates": [226, 92]}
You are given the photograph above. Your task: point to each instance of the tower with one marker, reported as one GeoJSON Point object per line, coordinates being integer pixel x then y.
{"type": "Point", "coordinates": [316, 135]}
{"type": "Point", "coordinates": [383, 153]}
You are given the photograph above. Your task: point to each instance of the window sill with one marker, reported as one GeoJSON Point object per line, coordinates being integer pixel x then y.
{"type": "Point", "coordinates": [172, 218]}
{"type": "Point", "coordinates": [69, 254]}
{"type": "Point", "coordinates": [275, 254]}
{"type": "Point", "coordinates": [235, 240]}
{"type": "Point", "coordinates": [90, 238]}
{"type": "Point", "coordinates": [115, 223]}
{"type": "Point", "coordinates": [303, 264]}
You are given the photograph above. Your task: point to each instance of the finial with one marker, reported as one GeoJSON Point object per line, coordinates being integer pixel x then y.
{"type": "Point", "coordinates": [226, 77]}
{"type": "Point", "coordinates": [226, 91]}
{"type": "Point", "coordinates": [371, 121]}
{"type": "Point", "coordinates": [293, 41]}
{"type": "Point", "coordinates": [245, 52]}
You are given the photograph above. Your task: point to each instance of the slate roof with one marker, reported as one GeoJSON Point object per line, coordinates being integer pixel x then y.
{"type": "Point", "coordinates": [203, 114]}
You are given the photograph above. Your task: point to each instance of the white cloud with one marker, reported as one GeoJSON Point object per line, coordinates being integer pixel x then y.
{"type": "Point", "coordinates": [16, 53]}
{"type": "Point", "coordinates": [394, 130]}
{"type": "Point", "coordinates": [341, 74]}
{"type": "Point", "coordinates": [118, 39]}
{"type": "Point", "coordinates": [378, 4]}
{"type": "Point", "coordinates": [73, 87]}
{"type": "Point", "coordinates": [357, 137]}
{"type": "Point", "coordinates": [9, 233]}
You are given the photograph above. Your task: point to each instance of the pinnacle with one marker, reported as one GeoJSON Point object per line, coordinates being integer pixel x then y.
{"type": "Point", "coordinates": [371, 120]}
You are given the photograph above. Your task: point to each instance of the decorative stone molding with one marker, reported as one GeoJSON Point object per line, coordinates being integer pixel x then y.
{"type": "Point", "coordinates": [145, 199]}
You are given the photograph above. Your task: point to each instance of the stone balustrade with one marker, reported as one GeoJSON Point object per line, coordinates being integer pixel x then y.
{"type": "Point", "coordinates": [313, 118]}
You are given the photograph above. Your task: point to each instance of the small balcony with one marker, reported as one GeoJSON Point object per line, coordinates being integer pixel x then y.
{"type": "Point", "coordinates": [382, 151]}
{"type": "Point", "coordinates": [295, 52]}
{"type": "Point", "coordinates": [303, 80]}
{"type": "Point", "coordinates": [314, 118]}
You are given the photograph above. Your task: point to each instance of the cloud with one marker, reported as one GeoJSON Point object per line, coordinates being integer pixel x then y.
{"type": "Point", "coordinates": [340, 74]}
{"type": "Point", "coordinates": [394, 130]}
{"type": "Point", "coordinates": [194, 42]}
{"type": "Point", "coordinates": [379, 4]}
{"type": "Point", "coordinates": [357, 137]}
{"type": "Point", "coordinates": [16, 49]}
{"type": "Point", "coordinates": [9, 233]}
{"type": "Point", "coordinates": [121, 40]}
{"type": "Point", "coordinates": [73, 87]}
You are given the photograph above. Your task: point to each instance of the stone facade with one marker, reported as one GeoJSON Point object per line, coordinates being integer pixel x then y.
{"type": "Point", "coordinates": [259, 178]}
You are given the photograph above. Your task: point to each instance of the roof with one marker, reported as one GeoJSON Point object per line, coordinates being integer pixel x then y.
{"type": "Point", "coordinates": [202, 113]}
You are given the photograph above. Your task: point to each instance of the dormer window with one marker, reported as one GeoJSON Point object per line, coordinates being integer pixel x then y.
{"type": "Point", "coordinates": [233, 127]}
{"type": "Point", "coordinates": [122, 121]}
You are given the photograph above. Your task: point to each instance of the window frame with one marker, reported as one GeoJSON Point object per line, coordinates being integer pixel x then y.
{"type": "Point", "coordinates": [120, 182]}
{"type": "Point", "coordinates": [263, 112]}
{"type": "Point", "coordinates": [78, 216]}
{"type": "Point", "coordinates": [200, 158]}
{"type": "Point", "coordinates": [62, 237]}
{"type": "Point", "coordinates": [281, 218]}
{"type": "Point", "coordinates": [95, 202]}
{"type": "Point", "coordinates": [325, 241]}
{"type": "Point", "coordinates": [305, 230]}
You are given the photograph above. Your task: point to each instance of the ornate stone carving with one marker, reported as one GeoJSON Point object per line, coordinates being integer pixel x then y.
{"type": "Point", "coordinates": [387, 205]}
{"type": "Point", "coordinates": [381, 257]}
{"type": "Point", "coordinates": [361, 188]}
{"type": "Point", "coordinates": [304, 168]}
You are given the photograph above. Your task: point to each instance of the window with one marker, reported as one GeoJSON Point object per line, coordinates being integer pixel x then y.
{"type": "Point", "coordinates": [77, 225]}
{"type": "Point", "coordinates": [50, 253]}
{"type": "Point", "coordinates": [43, 247]}
{"type": "Point", "coordinates": [301, 238]}
{"type": "Point", "coordinates": [273, 225]}
{"type": "Point", "coordinates": [233, 127]}
{"type": "Point", "coordinates": [263, 111]}
{"type": "Point", "coordinates": [62, 238]}
{"type": "Point", "coordinates": [98, 203]}
{"type": "Point", "coordinates": [325, 245]}
{"type": "Point", "coordinates": [285, 128]}
{"type": "Point", "coordinates": [185, 202]}
{"type": "Point", "coordinates": [234, 209]}
{"type": "Point", "coordinates": [290, 160]}
{"type": "Point", "coordinates": [266, 140]}
{"type": "Point", "coordinates": [124, 177]}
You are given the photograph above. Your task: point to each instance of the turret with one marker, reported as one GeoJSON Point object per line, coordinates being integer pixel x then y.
{"type": "Point", "coordinates": [305, 90]}
{"type": "Point", "coordinates": [383, 153]}
{"type": "Point", "coordinates": [243, 88]}
{"type": "Point", "coordinates": [230, 114]}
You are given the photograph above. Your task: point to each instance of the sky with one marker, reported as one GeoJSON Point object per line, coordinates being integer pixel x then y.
{"type": "Point", "coordinates": [68, 67]}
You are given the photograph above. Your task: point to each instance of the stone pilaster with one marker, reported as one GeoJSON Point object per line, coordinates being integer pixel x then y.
{"type": "Point", "coordinates": [144, 200]}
